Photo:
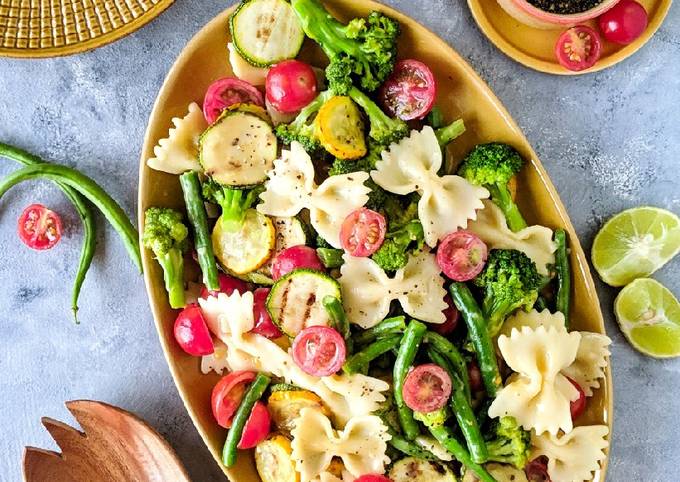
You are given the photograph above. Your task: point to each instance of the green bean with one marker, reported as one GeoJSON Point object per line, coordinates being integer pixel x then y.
{"type": "Point", "coordinates": [435, 118]}
{"type": "Point", "coordinates": [253, 394]}
{"type": "Point", "coordinates": [358, 363]}
{"type": "Point", "coordinates": [193, 199]}
{"type": "Point", "coordinates": [410, 448]}
{"type": "Point", "coordinates": [446, 437]}
{"type": "Point", "coordinates": [336, 312]}
{"type": "Point", "coordinates": [407, 353]}
{"type": "Point", "coordinates": [389, 326]}
{"type": "Point", "coordinates": [331, 258]}
{"type": "Point", "coordinates": [563, 269]}
{"type": "Point", "coordinates": [449, 350]}
{"type": "Point", "coordinates": [461, 408]}
{"type": "Point", "coordinates": [84, 211]}
{"type": "Point", "coordinates": [479, 335]}
{"type": "Point", "coordinates": [88, 189]}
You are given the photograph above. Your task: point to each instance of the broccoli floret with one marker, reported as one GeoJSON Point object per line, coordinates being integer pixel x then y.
{"type": "Point", "coordinates": [394, 252]}
{"type": "Point", "coordinates": [384, 129]}
{"type": "Point", "coordinates": [234, 202]}
{"type": "Point", "coordinates": [510, 281]}
{"type": "Point", "coordinates": [302, 128]}
{"type": "Point", "coordinates": [166, 235]}
{"type": "Point", "coordinates": [433, 419]}
{"type": "Point", "coordinates": [363, 50]}
{"type": "Point", "coordinates": [401, 210]}
{"type": "Point", "coordinates": [492, 166]}
{"type": "Point", "coordinates": [510, 444]}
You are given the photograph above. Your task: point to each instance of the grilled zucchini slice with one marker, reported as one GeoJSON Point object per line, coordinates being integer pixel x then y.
{"type": "Point", "coordinates": [411, 469]}
{"type": "Point", "coordinates": [500, 472]}
{"type": "Point", "coordinates": [247, 249]}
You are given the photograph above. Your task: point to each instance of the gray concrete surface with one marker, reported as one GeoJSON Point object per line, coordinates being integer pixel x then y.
{"type": "Point", "coordinates": [609, 140]}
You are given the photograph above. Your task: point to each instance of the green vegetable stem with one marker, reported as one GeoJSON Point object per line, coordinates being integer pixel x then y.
{"type": "Point", "coordinates": [410, 448]}
{"type": "Point", "coordinates": [407, 353]}
{"type": "Point", "coordinates": [358, 363]}
{"type": "Point", "coordinates": [563, 269]}
{"type": "Point", "coordinates": [389, 326]}
{"type": "Point", "coordinates": [446, 437]}
{"type": "Point", "coordinates": [336, 312]}
{"type": "Point", "coordinates": [331, 258]}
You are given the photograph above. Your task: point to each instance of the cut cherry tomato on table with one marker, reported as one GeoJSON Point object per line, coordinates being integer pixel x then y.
{"type": "Point", "coordinates": [373, 478]}
{"type": "Point", "coordinates": [537, 470]}
{"type": "Point", "coordinates": [228, 284]}
{"type": "Point", "coordinates": [256, 428]}
{"type": "Point", "coordinates": [427, 388]}
{"type": "Point", "coordinates": [39, 228]}
{"type": "Point", "coordinates": [578, 48]}
{"type": "Point", "coordinates": [624, 22]}
{"type": "Point", "coordinates": [290, 86]}
{"type": "Point", "coordinates": [409, 93]}
{"type": "Point", "coordinates": [192, 333]}
{"type": "Point", "coordinates": [578, 406]}
{"type": "Point", "coordinates": [319, 351]}
{"type": "Point", "coordinates": [363, 232]}
{"type": "Point", "coordinates": [263, 322]}
{"type": "Point", "coordinates": [461, 255]}
{"type": "Point", "coordinates": [452, 316]}
{"type": "Point", "coordinates": [293, 258]}
{"type": "Point", "coordinates": [226, 92]}
{"type": "Point", "coordinates": [227, 394]}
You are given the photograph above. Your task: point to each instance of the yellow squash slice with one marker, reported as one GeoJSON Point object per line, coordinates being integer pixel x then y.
{"type": "Point", "coordinates": [273, 460]}
{"type": "Point", "coordinates": [285, 406]}
{"type": "Point", "coordinates": [339, 127]}
{"type": "Point", "coordinates": [247, 249]}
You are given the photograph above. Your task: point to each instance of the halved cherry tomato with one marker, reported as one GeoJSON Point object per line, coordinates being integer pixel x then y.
{"type": "Point", "coordinates": [427, 388]}
{"type": "Point", "coordinates": [192, 333]}
{"type": "Point", "coordinates": [537, 470]}
{"type": "Point", "coordinates": [263, 322]}
{"type": "Point", "coordinates": [475, 376]}
{"type": "Point", "coordinates": [578, 48]}
{"type": "Point", "coordinates": [39, 228]}
{"type": "Point", "coordinates": [461, 255]}
{"type": "Point", "coordinates": [293, 258]}
{"type": "Point", "coordinates": [227, 395]}
{"type": "Point", "coordinates": [373, 478]}
{"type": "Point", "coordinates": [363, 232]}
{"type": "Point", "coordinates": [319, 351]}
{"type": "Point", "coordinates": [226, 92]}
{"type": "Point", "coordinates": [228, 285]}
{"type": "Point", "coordinates": [452, 316]}
{"type": "Point", "coordinates": [410, 91]}
{"type": "Point", "coordinates": [256, 428]}
{"type": "Point", "coordinates": [578, 406]}
{"type": "Point", "coordinates": [290, 86]}
{"type": "Point", "coordinates": [624, 22]}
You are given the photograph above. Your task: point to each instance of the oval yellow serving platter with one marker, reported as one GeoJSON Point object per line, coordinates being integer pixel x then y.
{"type": "Point", "coordinates": [461, 94]}
{"type": "Point", "coordinates": [50, 28]}
{"type": "Point", "coordinates": [534, 48]}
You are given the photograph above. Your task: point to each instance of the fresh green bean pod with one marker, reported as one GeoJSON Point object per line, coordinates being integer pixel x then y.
{"type": "Point", "coordinates": [449, 350]}
{"type": "Point", "coordinates": [84, 211]}
{"type": "Point", "coordinates": [253, 394]}
{"type": "Point", "coordinates": [410, 448]}
{"type": "Point", "coordinates": [407, 353]}
{"type": "Point", "coordinates": [461, 408]}
{"type": "Point", "coordinates": [88, 189]}
{"type": "Point", "coordinates": [479, 335]}
{"type": "Point", "coordinates": [446, 437]}
{"type": "Point", "coordinates": [331, 258]}
{"type": "Point", "coordinates": [563, 269]}
{"type": "Point", "coordinates": [389, 326]}
{"type": "Point", "coordinates": [358, 363]}
{"type": "Point", "coordinates": [191, 187]}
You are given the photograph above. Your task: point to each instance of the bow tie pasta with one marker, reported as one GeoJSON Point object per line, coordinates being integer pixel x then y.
{"type": "Point", "coordinates": [178, 152]}
{"type": "Point", "coordinates": [446, 202]}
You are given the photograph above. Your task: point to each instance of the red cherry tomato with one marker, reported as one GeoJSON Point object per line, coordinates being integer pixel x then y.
{"type": "Point", "coordinates": [624, 22]}
{"type": "Point", "coordinates": [227, 395]}
{"type": "Point", "coordinates": [192, 333]}
{"type": "Point", "coordinates": [39, 228]}
{"type": "Point", "coordinates": [461, 255]}
{"type": "Point", "coordinates": [578, 406]}
{"type": "Point", "coordinates": [537, 470]}
{"type": "Point", "coordinates": [290, 86]}
{"type": "Point", "coordinates": [256, 428]}
{"type": "Point", "coordinates": [578, 48]}
{"type": "Point", "coordinates": [410, 91]}
{"type": "Point", "coordinates": [319, 351]}
{"type": "Point", "coordinates": [363, 232]}
{"type": "Point", "coordinates": [293, 258]}
{"type": "Point", "coordinates": [373, 478]}
{"type": "Point", "coordinates": [427, 388]}
{"type": "Point", "coordinates": [452, 316]}
{"type": "Point", "coordinates": [227, 285]}
{"type": "Point", "coordinates": [475, 376]}
{"type": "Point", "coordinates": [226, 92]}
{"type": "Point", "coordinates": [263, 323]}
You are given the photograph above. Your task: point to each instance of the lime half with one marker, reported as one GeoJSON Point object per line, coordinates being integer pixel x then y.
{"type": "Point", "coordinates": [635, 243]}
{"type": "Point", "coordinates": [649, 316]}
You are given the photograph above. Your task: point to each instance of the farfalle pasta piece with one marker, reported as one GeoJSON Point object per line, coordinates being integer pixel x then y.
{"type": "Point", "coordinates": [367, 291]}
{"type": "Point", "coordinates": [534, 241]}
{"type": "Point", "coordinates": [361, 445]}
{"type": "Point", "coordinates": [538, 395]}
{"type": "Point", "coordinates": [291, 188]}
{"type": "Point", "coordinates": [178, 152]}
{"type": "Point", "coordinates": [446, 202]}
{"type": "Point", "coordinates": [574, 456]}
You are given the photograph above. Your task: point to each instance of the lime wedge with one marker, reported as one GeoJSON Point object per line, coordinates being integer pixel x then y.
{"type": "Point", "coordinates": [635, 243]}
{"type": "Point", "coordinates": [649, 316]}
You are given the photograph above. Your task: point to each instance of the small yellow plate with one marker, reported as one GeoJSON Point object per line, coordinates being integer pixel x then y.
{"type": "Point", "coordinates": [534, 47]}
{"type": "Point", "coordinates": [50, 28]}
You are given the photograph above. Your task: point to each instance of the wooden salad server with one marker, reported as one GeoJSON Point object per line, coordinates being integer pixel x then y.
{"type": "Point", "coordinates": [115, 445]}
